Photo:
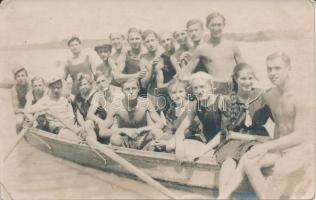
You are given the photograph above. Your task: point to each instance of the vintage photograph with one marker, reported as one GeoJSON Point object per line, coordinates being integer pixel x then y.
{"type": "Point", "coordinates": [164, 99]}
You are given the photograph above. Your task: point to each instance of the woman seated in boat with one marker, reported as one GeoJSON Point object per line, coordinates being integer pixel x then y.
{"type": "Point", "coordinates": [79, 63]}
{"type": "Point", "coordinates": [131, 113]}
{"type": "Point", "coordinates": [55, 111]}
{"type": "Point", "coordinates": [178, 110]}
{"type": "Point", "coordinates": [211, 109]}
{"type": "Point", "coordinates": [99, 107]}
{"type": "Point", "coordinates": [83, 99]}
{"type": "Point", "coordinates": [248, 114]}
{"type": "Point", "coordinates": [19, 92]}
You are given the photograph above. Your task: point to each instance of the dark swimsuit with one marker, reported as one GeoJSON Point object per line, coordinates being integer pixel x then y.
{"type": "Point", "coordinates": [21, 91]}
{"type": "Point", "coordinates": [210, 118]}
{"type": "Point", "coordinates": [235, 149]}
{"type": "Point", "coordinates": [132, 67]}
{"type": "Point", "coordinates": [74, 70]}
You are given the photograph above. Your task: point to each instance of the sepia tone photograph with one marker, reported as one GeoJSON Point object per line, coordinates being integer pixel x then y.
{"type": "Point", "coordinates": [164, 99]}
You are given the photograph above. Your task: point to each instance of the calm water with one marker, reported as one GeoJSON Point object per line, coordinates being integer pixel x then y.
{"type": "Point", "coordinates": [31, 174]}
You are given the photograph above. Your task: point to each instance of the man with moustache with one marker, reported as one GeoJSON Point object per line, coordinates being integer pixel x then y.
{"type": "Point", "coordinates": [119, 55]}
{"type": "Point", "coordinates": [55, 104]}
{"type": "Point", "coordinates": [218, 55]}
{"type": "Point", "coordinates": [107, 65]}
{"type": "Point", "coordinates": [185, 45]}
{"type": "Point", "coordinates": [132, 129]}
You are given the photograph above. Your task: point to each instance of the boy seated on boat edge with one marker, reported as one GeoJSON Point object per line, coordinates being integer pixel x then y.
{"type": "Point", "coordinates": [53, 106]}
{"type": "Point", "coordinates": [132, 114]}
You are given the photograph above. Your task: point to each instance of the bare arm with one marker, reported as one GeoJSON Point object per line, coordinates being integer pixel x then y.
{"type": "Point", "coordinates": [175, 63]}
{"type": "Point", "coordinates": [15, 102]}
{"type": "Point", "coordinates": [237, 55]}
{"type": "Point", "coordinates": [158, 123]}
{"type": "Point", "coordinates": [190, 67]}
{"type": "Point", "coordinates": [66, 72]}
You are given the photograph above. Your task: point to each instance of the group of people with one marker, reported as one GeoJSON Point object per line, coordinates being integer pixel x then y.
{"type": "Point", "coordinates": [201, 91]}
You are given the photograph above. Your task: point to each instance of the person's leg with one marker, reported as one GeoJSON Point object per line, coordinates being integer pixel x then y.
{"type": "Point", "coordinates": [89, 127]}
{"type": "Point", "coordinates": [261, 186]}
{"type": "Point", "coordinates": [117, 140]}
{"type": "Point", "coordinates": [19, 122]}
{"type": "Point", "coordinates": [227, 170]}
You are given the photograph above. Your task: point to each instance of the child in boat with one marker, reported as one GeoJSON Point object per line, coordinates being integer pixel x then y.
{"type": "Point", "coordinates": [18, 93]}
{"type": "Point", "coordinates": [57, 111]}
{"type": "Point", "coordinates": [211, 109]}
{"type": "Point", "coordinates": [79, 63]}
{"type": "Point", "coordinates": [178, 110]}
{"type": "Point", "coordinates": [99, 107]}
{"type": "Point", "coordinates": [131, 113]}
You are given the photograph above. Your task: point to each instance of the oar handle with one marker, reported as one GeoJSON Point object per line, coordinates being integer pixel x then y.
{"type": "Point", "coordinates": [108, 152]}
{"type": "Point", "coordinates": [20, 136]}
{"type": "Point", "coordinates": [130, 167]}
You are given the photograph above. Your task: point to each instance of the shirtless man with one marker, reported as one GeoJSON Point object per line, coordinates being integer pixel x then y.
{"type": "Point", "coordinates": [119, 55]}
{"type": "Point", "coordinates": [218, 56]}
{"type": "Point", "coordinates": [19, 92]}
{"type": "Point", "coordinates": [131, 113]}
{"type": "Point", "coordinates": [285, 151]}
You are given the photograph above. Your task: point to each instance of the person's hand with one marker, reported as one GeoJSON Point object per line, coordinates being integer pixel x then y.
{"type": "Point", "coordinates": [81, 133]}
{"type": "Point", "coordinates": [180, 152]}
{"type": "Point", "coordinates": [141, 74]}
{"type": "Point", "coordinates": [258, 151]}
{"type": "Point", "coordinates": [155, 61]}
{"type": "Point", "coordinates": [185, 57]}
{"type": "Point", "coordinates": [142, 130]}
{"type": "Point", "coordinates": [132, 133]}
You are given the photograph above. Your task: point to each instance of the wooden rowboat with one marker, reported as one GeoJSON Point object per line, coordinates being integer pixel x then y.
{"type": "Point", "coordinates": [201, 176]}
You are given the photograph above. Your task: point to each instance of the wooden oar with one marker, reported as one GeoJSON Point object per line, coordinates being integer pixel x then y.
{"type": "Point", "coordinates": [127, 165]}
{"type": "Point", "coordinates": [20, 136]}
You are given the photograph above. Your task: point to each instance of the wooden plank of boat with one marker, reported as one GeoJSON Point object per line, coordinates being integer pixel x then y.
{"type": "Point", "coordinates": [202, 175]}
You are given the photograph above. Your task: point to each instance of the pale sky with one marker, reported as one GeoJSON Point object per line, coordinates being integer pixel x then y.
{"type": "Point", "coordinates": [37, 21]}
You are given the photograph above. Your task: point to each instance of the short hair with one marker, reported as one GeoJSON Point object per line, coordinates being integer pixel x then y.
{"type": "Point", "coordinates": [37, 78]}
{"type": "Point", "coordinates": [19, 71]}
{"type": "Point", "coordinates": [82, 76]}
{"type": "Point", "coordinates": [165, 33]}
{"type": "Point", "coordinates": [175, 32]}
{"type": "Point", "coordinates": [148, 32]}
{"type": "Point", "coordinates": [73, 38]}
{"type": "Point", "coordinates": [202, 75]}
{"type": "Point", "coordinates": [194, 21]}
{"type": "Point", "coordinates": [174, 82]}
{"type": "Point", "coordinates": [97, 75]}
{"type": "Point", "coordinates": [212, 16]}
{"type": "Point", "coordinates": [133, 30]}
{"type": "Point", "coordinates": [286, 59]}
{"type": "Point", "coordinates": [111, 34]}
{"type": "Point", "coordinates": [130, 80]}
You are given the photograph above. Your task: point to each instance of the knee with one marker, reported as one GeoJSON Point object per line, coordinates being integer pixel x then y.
{"type": "Point", "coordinates": [116, 140]}
{"type": "Point", "coordinates": [249, 165]}
{"type": "Point", "coordinates": [156, 132]}
{"type": "Point", "coordinates": [229, 162]}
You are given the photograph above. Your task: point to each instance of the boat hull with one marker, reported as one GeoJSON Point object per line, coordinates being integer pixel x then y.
{"type": "Point", "coordinates": [201, 176]}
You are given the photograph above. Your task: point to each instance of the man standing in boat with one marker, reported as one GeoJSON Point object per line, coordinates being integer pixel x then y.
{"type": "Point", "coordinates": [131, 113]}
{"type": "Point", "coordinates": [19, 92]}
{"type": "Point", "coordinates": [119, 55]}
{"type": "Point", "coordinates": [217, 55]}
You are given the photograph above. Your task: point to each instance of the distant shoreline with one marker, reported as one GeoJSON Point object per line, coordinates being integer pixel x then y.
{"type": "Point", "coordinates": [259, 36]}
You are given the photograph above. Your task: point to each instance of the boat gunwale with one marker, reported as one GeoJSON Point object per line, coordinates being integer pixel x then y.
{"type": "Point", "coordinates": [127, 151]}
